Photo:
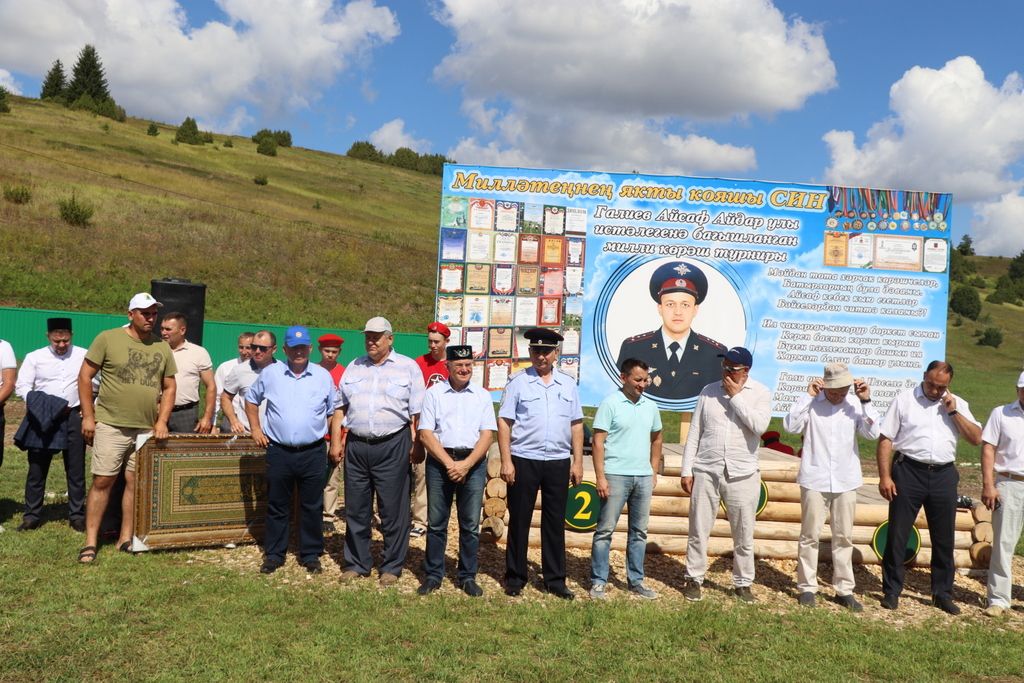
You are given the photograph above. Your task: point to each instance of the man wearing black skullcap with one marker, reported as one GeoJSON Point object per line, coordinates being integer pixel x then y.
{"type": "Point", "coordinates": [681, 361]}
{"type": "Point", "coordinates": [48, 383]}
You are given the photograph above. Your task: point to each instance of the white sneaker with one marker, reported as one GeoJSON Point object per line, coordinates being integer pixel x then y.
{"type": "Point", "coordinates": [598, 593]}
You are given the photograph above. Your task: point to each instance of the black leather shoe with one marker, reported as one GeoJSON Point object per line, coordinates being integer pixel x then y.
{"type": "Point", "coordinates": [560, 591]}
{"type": "Point", "coordinates": [513, 591]}
{"type": "Point", "coordinates": [313, 567]}
{"type": "Point", "coordinates": [428, 587]}
{"type": "Point", "coordinates": [945, 604]}
{"type": "Point", "coordinates": [28, 525]}
{"type": "Point", "coordinates": [78, 525]}
{"type": "Point", "coordinates": [890, 602]}
{"type": "Point", "coordinates": [269, 567]}
{"type": "Point", "coordinates": [470, 588]}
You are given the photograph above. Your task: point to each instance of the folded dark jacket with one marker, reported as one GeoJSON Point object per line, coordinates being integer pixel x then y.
{"type": "Point", "coordinates": [45, 425]}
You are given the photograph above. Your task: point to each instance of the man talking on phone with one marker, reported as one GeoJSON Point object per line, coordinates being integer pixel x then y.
{"type": "Point", "coordinates": [916, 454]}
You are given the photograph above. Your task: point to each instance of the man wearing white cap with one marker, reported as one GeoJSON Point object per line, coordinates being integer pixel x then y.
{"type": "Point", "coordinates": [1002, 477]}
{"type": "Point", "coordinates": [138, 370]}
{"type": "Point", "coordinates": [829, 418]}
{"type": "Point", "coordinates": [381, 396]}
{"type": "Point", "coordinates": [720, 464]}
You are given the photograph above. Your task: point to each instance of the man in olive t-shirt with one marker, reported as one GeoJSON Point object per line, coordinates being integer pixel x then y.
{"type": "Point", "coordinates": [137, 371]}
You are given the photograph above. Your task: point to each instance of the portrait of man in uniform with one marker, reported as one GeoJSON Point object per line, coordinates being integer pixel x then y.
{"type": "Point", "coordinates": [681, 360]}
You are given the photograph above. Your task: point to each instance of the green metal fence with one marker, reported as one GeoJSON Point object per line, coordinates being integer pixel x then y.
{"type": "Point", "coordinates": [25, 329]}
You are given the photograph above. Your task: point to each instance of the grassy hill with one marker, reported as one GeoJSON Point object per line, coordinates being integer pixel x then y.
{"type": "Point", "coordinates": [265, 253]}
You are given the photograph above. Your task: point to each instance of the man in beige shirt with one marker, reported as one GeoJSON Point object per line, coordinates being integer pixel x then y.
{"type": "Point", "coordinates": [194, 366]}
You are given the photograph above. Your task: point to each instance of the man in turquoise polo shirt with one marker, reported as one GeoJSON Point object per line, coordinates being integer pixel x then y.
{"type": "Point", "coordinates": [627, 457]}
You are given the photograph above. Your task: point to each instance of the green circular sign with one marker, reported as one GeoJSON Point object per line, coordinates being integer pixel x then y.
{"type": "Point", "coordinates": [762, 501]}
{"type": "Point", "coordinates": [582, 507]}
{"type": "Point", "coordinates": [880, 539]}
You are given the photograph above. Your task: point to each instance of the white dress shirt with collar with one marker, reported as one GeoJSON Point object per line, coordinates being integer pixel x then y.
{"type": "Point", "coordinates": [43, 370]}
{"type": "Point", "coordinates": [920, 428]}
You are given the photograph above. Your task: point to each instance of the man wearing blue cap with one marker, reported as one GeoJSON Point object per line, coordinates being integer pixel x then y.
{"type": "Point", "coordinates": [300, 399]}
{"type": "Point", "coordinates": [720, 464]}
{"type": "Point", "coordinates": [681, 361]}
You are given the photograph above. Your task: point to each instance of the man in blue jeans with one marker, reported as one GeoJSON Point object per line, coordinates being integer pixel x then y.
{"type": "Point", "coordinates": [627, 457]}
{"type": "Point", "coordinates": [456, 428]}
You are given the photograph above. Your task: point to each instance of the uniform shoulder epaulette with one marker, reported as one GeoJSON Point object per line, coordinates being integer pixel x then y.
{"type": "Point", "coordinates": [709, 341]}
{"type": "Point", "coordinates": [640, 337]}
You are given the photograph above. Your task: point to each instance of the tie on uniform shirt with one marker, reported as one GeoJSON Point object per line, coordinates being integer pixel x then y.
{"type": "Point", "coordinates": [674, 361]}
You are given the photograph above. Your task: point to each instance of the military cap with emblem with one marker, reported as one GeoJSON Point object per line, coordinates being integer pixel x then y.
{"type": "Point", "coordinates": [543, 338]}
{"type": "Point", "coordinates": [677, 276]}
{"type": "Point", "coordinates": [459, 352]}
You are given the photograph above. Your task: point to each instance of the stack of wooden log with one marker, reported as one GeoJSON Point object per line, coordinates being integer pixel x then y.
{"type": "Point", "coordinates": [777, 532]}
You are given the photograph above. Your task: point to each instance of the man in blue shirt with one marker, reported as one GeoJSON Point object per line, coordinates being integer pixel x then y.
{"type": "Point", "coordinates": [300, 399]}
{"type": "Point", "coordinates": [540, 426]}
{"type": "Point", "coordinates": [381, 397]}
{"type": "Point", "coordinates": [627, 457]}
{"type": "Point", "coordinates": [456, 428]}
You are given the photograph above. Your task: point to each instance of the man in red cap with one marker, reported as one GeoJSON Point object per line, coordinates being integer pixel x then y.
{"type": "Point", "coordinates": [330, 349]}
{"type": "Point", "coordinates": [434, 366]}
{"type": "Point", "coordinates": [681, 361]}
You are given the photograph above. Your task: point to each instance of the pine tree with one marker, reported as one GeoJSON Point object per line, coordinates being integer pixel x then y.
{"type": "Point", "coordinates": [4, 107]}
{"type": "Point", "coordinates": [54, 83]}
{"type": "Point", "coordinates": [188, 132]}
{"type": "Point", "coordinates": [88, 78]}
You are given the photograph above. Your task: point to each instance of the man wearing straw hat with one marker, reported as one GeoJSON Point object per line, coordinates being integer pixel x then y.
{"type": "Point", "coordinates": [922, 426]}
{"type": "Point", "coordinates": [829, 418]}
{"type": "Point", "coordinates": [1002, 476]}
{"type": "Point", "coordinates": [720, 463]}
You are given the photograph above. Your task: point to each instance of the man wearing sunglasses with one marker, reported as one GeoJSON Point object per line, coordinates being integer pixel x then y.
{"type": "Point", "coordinates": [138, 371]}
{"type": "Point", "coordinates": [243, 376]}
{"type": "Point", "coordinates": [720, 464]}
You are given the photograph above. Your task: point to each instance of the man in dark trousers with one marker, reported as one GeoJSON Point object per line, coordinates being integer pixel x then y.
{"type": "Point", "coordinates": [681, 361]}
{"type": "Point", "coordinates": [540, 427]}
{"type": "Point", "coordinates": [922, 426]}
{"type": "Point", "coordinates": [48, 383]}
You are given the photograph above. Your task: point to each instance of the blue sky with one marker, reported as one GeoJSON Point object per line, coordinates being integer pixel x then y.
{"type": "Point", "coordinates": [921, 95]}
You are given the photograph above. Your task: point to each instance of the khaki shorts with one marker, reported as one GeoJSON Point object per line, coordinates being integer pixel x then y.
{"type": "Point", "coordinates": [113, 448]}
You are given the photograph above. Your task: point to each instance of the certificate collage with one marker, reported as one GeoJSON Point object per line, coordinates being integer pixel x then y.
{"type": "Point", "coordinates": [876, 229]}
{"type": "Point", "coordinates": [503, 268]}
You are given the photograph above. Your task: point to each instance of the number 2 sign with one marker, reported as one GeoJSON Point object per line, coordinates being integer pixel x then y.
{"type": "Point", "coordinates": [582, 507]}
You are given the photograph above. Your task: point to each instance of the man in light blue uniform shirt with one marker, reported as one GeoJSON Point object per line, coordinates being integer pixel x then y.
{"type": "Point", "coordinates": [540, 427]}
{"type": "Point", "coordinates": [381, 398]}
{"type": "Point", "coordinates": [456, 428]}
{"type": "Point", "coordinates": [627, 457]}
{"type": "Point", "coordinates": [300, 399]}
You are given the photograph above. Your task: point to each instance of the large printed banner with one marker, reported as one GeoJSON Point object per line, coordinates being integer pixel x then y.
{"type": "Point", "coordinates": [673, 270]}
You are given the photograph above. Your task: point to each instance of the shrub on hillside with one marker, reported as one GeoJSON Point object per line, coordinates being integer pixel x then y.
{"type": "Point", "coordinates": [365, 151]}
{"type": "Point", "coordinates": [188, 132]}
{"type": "Point", "coordinates": [959, 267]}
{"type": "Point", "coordinates": [74, 212]}
{"type": "Point", "coordinates": [17, 194]}
{"type": "Point", "coordinates": [1016, 270]}
{"type": "Point", "coordinates": [282, 137]}
{"type": "Point", "coordinates": [992, 336]}
{"type": "Point", "coordinates": [260, 179]}
{"type": "Point", "coordinates": [978, 282]}
{"type": "Point", "coordinates": [267, 146]}
{"type": "Point", "coordinates": [966, 302]}
{"type": "Point", "coordinates": [111, 110]}
{"type": "Point", "coordinates": [4, 106]}
{"type": "Point", "coordinates": [153, 130]}
{"type": "Point", "coordinates": [228, 143]}
{"type": "Point", "coordinates": [84, 102]}
{"type": "Point", "coordinates": [206, 136]}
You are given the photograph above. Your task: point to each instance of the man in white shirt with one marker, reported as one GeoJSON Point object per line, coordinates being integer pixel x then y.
{"type": "Point", "coordinates": [1002, 477]}
{"type": "Point", "coordinates": [53, 371]}
{"type": "Point", "coordinates": [720, 463]}
{"type": "Point", "coordinates": [922, 426]}
{"type": "Point", "coordinates": [829, 418]}
{"type": "Point", "coordinates": [221, 374]}
{"type": "Point", "coordinates": [194, 366]}
{"type": "Point", "coordinates": [8, 375]}
{"type": "Point", "coordinates": [243, 376]}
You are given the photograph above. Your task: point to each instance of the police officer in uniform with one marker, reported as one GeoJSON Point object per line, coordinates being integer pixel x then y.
{"type": "Point", "coordinates": [681, 361]}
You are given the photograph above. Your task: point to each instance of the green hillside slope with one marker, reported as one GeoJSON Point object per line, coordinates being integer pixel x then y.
{"type": "Point", "coordinates": [163, 210]}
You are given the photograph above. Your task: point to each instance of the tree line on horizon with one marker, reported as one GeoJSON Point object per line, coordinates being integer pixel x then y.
{"type": "Point", "coordinates": [403, 157]}
{"type": "Point", "coordinates": [87, 90]}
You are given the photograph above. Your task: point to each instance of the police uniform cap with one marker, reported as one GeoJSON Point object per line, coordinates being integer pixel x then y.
{"type": "Point", "coordinates": [678, 276]}
{"type": "Point", "coordinates": [459, 352]}
{"type": "Point", "coordinates": [542, 337]}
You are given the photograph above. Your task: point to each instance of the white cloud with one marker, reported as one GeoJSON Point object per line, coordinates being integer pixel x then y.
{"type": "Point", "coordinates": [620, 83]}
{"type": "Point", "coordinates": [998, 226]}
{"type": "Point", "coordinates": [951, 130]}
{"type": "Point", "coordinates": [392, 135]}
{"type": "Point", "coordinates": [269, 55]}
{"type": "Point", "coordinates": [8, 82]}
